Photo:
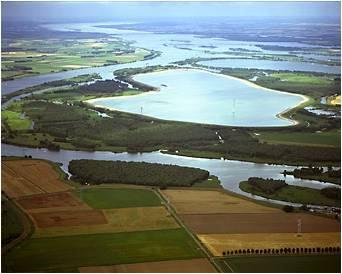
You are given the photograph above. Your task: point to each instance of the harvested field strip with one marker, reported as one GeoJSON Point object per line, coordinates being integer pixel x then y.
{"type": "Point", "coordinates": [119, 220]}
{"type": "Point", "coordinates": [206, 202]}
{"type": "Point", "coordinates": [258, 223]}
{"type": "Point", "coordinates": [53, 200]}
{"type": "Point", "coordinates": [217, 243]}
{"type": "Point", "coordinates": [101, 249]}
{"type": "Point", "coordinates": [15, 186]}
{"type": "Point", "coordinates": [176, 266]}
{"type": "Point", "coordinates": [68, 218]}
{"type": "Point", "coordinates": [27, 177]}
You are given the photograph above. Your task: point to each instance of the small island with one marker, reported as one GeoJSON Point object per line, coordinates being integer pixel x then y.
{"type": "Point", "coordinates": [317, 173]}
{"type": "Point", "coordinates": [279, 190]}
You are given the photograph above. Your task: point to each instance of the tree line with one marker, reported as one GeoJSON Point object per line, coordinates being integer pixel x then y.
{"type": "Point", "coordinates": [282, 251]}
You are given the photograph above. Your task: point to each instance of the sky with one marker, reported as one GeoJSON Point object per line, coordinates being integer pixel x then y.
{"type": "Point", "coordinates": [102, 11]}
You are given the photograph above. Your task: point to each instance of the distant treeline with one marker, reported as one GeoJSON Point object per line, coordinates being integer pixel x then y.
{"type": "Point", "coordinates": [316, 173]}
{"type": "Point", "coordinates": [141, 173]}
{"type": "Point", "coordinates": [106, 86]}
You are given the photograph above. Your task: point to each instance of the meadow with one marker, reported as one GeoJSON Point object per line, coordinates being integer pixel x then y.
{"type": "Point", "coordinates": [106, 249]}
{"type": "Point", "coordinates": [105, 198]}
{"type": "Point", "coordinates": [328, 138]}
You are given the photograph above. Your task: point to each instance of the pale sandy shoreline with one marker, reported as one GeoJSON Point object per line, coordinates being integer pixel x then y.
{"type": "Point", "coordinates": [248, 83]}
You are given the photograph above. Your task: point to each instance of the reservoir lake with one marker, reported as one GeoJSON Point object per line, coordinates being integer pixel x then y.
{"type": "Point", "coordinates": [203, 97]}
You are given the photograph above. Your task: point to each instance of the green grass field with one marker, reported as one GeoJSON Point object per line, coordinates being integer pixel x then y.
{"type": "Point", "coordinates": [11, 225]}
{"type": "Point", "coordinates": [105, 198]}
{"type": "Point", "coordinates": [331, 138]}
{"type": "Point", "coordinates": [285, 264]}
{"type": "Point", "coordinates": [48, 254]}
{"type": "Point", "coordinates": [294, 194]}
{"type": "Point", "coordinates": [15, 121]}
{"type": "Point", "coordinates": [312, 84]}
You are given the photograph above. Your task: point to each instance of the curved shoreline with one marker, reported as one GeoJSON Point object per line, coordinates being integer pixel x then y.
{"type": "Point", "coordinates": [280, 115]}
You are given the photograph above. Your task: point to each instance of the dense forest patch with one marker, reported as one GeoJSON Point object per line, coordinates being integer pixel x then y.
{"type": "Point", "coordinates": [108, 172]}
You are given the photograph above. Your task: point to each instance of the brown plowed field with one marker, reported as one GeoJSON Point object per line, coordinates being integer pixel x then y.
{"type": "Point", "coordinates": [69, 218]}
{"type": "Point", "coordinates": [258, 223]}
{"type": "Point", "coordinates": [51, 201]}
{"type": "Point", "coordinates": [207, 202]}
{"type": "Point", "coordinates": [177, 266]}
{"type": "Point", "coordinates": [27, 177]}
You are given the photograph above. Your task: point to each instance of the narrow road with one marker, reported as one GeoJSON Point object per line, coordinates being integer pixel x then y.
{"type": "Point", "coordinates": [27, 229]}
{"type": "Point", "coordinates": [199, 243]}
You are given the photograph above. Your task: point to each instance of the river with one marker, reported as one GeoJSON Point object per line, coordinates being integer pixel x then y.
{"type": "Point", "coordinates": [228, 171]}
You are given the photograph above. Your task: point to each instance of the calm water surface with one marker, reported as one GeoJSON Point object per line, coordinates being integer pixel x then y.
{"type": "Point", "coordinates": [202, 97]}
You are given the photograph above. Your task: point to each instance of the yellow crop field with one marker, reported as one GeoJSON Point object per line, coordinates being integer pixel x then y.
{"type": "Point", "coordinates": [217, 243]}
{"type": "Point", "coordinates": [207, 202]}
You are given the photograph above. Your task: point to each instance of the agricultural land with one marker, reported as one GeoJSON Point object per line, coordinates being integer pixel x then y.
{"type": "Point", "coordinates": [124, 225]}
